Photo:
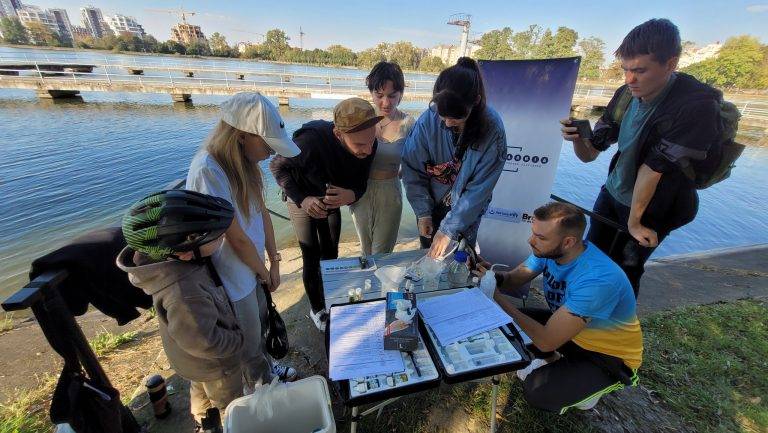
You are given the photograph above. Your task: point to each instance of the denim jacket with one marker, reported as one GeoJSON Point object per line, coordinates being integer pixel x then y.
{"type": "Point", "coordinates": [431, 141]}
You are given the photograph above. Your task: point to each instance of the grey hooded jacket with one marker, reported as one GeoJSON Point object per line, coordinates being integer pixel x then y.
{"type": "Point", "coordinates": [198, 327]}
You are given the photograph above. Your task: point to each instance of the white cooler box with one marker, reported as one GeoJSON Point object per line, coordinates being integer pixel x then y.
{"type": "Point", "coordinates": [303, 406]}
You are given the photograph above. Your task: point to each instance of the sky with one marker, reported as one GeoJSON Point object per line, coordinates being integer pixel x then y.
{"type": "Point", "coordinates": [359, 25]}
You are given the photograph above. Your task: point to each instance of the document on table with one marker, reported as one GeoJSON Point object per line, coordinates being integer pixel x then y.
{"type": "Point", "coordinates": [461, 315]}
{"type": "Point", "coordinates": [357, 342]}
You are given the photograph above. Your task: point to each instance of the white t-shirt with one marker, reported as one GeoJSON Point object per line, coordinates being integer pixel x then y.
{"type": "Point", "coordinates": [206, 176]}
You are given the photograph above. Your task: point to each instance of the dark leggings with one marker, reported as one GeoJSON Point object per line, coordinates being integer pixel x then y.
{"type": "Point", "coordinates": [318, 240]}
{"type": "Point", "coordinates": [577, 376]}
{"type": "Point", "coordinates": [621, 247]}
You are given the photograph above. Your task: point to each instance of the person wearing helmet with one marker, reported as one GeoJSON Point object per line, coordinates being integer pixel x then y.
{"type": "Point", "coordinates": [171, 236]}
{"type": "Point", "coordinates": [227, 166]}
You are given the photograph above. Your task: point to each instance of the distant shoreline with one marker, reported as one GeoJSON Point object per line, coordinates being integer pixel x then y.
{"type": "Point", "coordinates": [184, 56]}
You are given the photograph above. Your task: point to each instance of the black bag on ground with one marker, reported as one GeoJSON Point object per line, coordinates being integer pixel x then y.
{"type": "Point", "coordinates": [275, 334]}
{"type": "Point", "coordinates": [89, 408]}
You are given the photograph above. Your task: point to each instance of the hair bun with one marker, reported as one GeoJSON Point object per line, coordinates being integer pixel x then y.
{"type": "Point", "coordinates": [467, 62]}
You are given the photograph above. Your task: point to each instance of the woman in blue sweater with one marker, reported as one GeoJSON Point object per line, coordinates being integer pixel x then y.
{"type": "Point", "coordinates": [453, 158]}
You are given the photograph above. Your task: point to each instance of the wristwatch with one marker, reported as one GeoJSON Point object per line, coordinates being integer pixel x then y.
{"type": "Point", "coordinates": [276, 258]}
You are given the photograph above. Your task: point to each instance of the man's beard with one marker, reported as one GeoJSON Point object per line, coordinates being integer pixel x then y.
{"type": "Point", "coordinates": [553, 254]}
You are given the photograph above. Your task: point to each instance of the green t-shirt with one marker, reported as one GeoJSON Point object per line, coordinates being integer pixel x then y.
{"type": "Point", "coordinates": [621, 181]}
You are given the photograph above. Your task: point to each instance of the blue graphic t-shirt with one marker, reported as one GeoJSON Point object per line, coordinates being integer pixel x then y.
{"type": "Point", "coordinates": [594, 287]}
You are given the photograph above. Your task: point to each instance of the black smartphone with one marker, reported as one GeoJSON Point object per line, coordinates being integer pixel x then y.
{"type": "Point", "coordinates": [583, 128]}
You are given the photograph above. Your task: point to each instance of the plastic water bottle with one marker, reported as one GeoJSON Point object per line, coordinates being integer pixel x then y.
{"type": "Point", "coordinates": [458, 271]}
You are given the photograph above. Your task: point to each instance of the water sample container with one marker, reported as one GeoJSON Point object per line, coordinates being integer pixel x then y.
{"type": "Point", "coordinates": [458, 271]}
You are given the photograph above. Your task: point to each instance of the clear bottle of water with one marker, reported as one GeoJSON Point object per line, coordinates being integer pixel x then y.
{"type": "Point", "coordinates": [458, 271]}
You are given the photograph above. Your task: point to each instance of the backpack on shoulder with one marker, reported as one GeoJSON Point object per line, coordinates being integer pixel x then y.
{"type": "Point", "coordinates": [722, 155]}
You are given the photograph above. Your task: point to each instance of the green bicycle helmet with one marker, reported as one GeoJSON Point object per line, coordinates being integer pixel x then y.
{"type": "Point", "coordinates": [174, 221]}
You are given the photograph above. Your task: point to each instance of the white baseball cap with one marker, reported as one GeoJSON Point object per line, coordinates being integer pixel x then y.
{"type": "Point", "coordinates": [252, 112]}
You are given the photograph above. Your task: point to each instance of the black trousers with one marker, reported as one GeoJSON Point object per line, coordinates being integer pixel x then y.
{"type": "Point", "coordinates": [438, 215]}
{"type": "Point", "coordinates": [318, 240]}
{"type": "Point", "coordinates": [578, 375]}
{"type": "Point", "coordinates": [621, 247]}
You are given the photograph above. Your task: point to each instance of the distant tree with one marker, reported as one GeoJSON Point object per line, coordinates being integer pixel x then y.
{"type": "Point", "coordinates": [592, 57]}
{"type": "Point", "coordinates": [40, 34]}
{"type": "Point", "coordinates": [496, 45]}
{"type": "Point", "coordinates": [175, 47]}
{"type": "Point", "coordinates": [196, 48]}
{"type": "Point", "coordinates": [13, 31]}
{"type": "Point", "coordinates": [337, 55]}
{"type": "Point", "coordinates": [431, 64]}
{"type": "Point", "coordinates": [405, 54]}
{"type": "Point", "coordinates": [369, 57]}
{"type": "Point", "coordinates": [254, 51]}
{"type": "Point", "coordinates": [738, 64]}
{"type": "Point", "coordinates": [614, 71]}
{"type": "Point", "coordinates": [219, 46]}
{"type": "Point", "coordinates": [524, 43]}
{"type": "Point", "coordinates": [560, 44]}
{"type": "Point", "coordinates": [275, 44]}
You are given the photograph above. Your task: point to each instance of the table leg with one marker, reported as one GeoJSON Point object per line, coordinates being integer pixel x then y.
{"type": "Point", "coordinates": [353, 424]}
{"type": "Point", "coordinates": [495, 381]}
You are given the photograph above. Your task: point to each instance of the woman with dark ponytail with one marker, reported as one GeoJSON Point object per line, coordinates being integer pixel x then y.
{"type": "Point", "coordinates": [453, 158]}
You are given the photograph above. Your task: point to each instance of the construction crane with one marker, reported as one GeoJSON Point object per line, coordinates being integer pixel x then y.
{"type": "Point", "coordinates": [180, 12]}
{"type": "Point", "coordinates": [465, 22]}
{"type": "Point", "coordinates": [301, 38]}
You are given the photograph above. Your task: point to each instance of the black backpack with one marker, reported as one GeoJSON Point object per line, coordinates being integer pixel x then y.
{"type": "Point", "coordinates": [722, 155]}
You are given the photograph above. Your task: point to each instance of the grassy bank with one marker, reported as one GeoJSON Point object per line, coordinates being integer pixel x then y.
{"type": "Point", "coordinates": [706, 364]}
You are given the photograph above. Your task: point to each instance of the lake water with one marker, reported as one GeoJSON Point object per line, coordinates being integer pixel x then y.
{"type": "Point", "coordinates": [67, 167]}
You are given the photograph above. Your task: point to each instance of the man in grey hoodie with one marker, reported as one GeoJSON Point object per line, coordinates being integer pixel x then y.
{"type": "Point", "coordinates": [170, 236]}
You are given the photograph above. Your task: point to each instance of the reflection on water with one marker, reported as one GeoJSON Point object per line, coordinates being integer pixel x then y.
{"type": "Point", "coordinates": [69, 166]}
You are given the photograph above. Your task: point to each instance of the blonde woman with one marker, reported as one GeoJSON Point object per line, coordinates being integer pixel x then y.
{"type": "Point", "coordinates": [377, 214]}
{"type": "Point", "coordinates": [227, 166]}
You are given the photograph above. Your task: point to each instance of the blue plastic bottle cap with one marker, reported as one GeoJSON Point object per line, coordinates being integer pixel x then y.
{"type": "Point", "coordinates": [460, 256]}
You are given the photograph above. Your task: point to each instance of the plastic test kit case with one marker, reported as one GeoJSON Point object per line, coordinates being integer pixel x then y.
{"type": "Point", "coordinates": [419, 377]}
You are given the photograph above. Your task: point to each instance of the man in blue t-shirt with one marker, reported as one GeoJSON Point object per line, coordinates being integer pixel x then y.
{"type": "Point", "coordinates": [588, 342]}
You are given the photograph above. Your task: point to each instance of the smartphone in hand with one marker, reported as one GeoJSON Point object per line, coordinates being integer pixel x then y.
{"type": "Point", "coordinates": [583, 128]}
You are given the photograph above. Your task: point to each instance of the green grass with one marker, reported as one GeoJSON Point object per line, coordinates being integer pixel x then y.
{"type": "Point", "coordinates": [28, 413]}
{"type": "Point", "coordinates": [710, 364]}
{"type": "Point", "coordinates": [6, 323]}
{"type": "Point", "coordinates": [107, 341]}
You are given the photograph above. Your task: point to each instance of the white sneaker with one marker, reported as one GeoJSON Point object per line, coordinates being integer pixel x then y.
{"type": "Point", "coordinates": [284, 373]}
{"type": "Point", "coordinates": [536, 363]}
{"type": "Point", "coordinates": [588, 404]}
{"type": "Point", "coordinates": [320, 318]}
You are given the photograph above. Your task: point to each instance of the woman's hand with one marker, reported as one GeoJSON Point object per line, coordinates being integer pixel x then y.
{"type": "Point", "coordinates": [440, 244]}
{"type": "Point", "coordinates": [425, 227]}
{"type": "Point", "coordinates": [274, 275]}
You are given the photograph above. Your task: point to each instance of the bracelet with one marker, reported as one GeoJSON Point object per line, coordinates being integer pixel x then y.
{"type": "Point", "coordinates": [499, 279]}
{"type": "Point", "coordinates": [276, 258]}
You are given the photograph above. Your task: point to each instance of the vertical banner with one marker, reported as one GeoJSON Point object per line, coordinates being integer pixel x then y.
{"type": "Point", "coordinates": [531, 96]}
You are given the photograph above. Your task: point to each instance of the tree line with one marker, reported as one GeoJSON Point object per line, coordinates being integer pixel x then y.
{"type": "Point", "coordinates": [742, 62]}
{"type": "Point", "coordinates": [536, 42]}
{"type": "Point", "coordinates": [275, 47]}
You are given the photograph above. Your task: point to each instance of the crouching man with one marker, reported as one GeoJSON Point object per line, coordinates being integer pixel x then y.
{"type": "Point", "coordinates": [588, 342]}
